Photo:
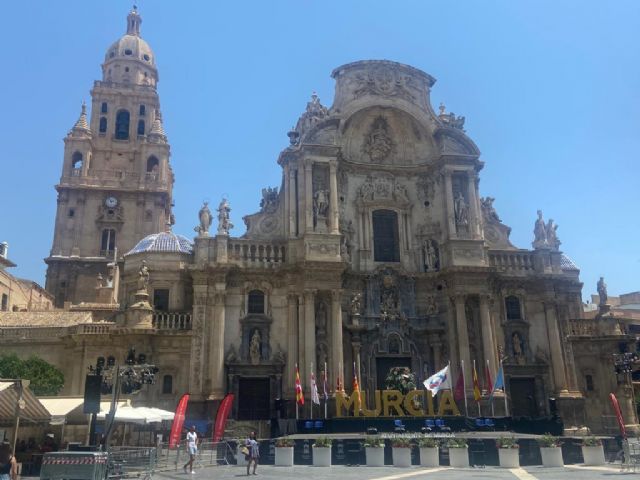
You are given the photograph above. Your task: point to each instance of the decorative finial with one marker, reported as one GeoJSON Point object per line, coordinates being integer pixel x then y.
{"type": "Point", "coordinates": [81, 126]}
{"type": "Point", "coordinates": [442, 108]}
{"type": "Point", "coordinates": [133, 22]}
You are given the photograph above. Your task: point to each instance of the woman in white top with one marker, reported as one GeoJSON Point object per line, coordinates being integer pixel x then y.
{"type": "Point", "coordinates": [192, 449]}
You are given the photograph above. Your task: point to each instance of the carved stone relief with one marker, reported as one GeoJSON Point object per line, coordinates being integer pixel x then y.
{"type": "Point", "coordinates": [378, 144]}
{"type": "Point", "coordinates": [385, 82]}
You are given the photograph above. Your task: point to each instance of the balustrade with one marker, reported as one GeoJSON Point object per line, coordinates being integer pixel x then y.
{"type": "Point", "coordinates": [255, 254]}
{"type": "Point", "coordinates": [518, 261]}
{"type": "Point", "coordinates": [172, 320]}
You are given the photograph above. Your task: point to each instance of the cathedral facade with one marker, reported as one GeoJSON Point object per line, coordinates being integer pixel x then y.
{"type": "Point", "coordinates": [375, 251]}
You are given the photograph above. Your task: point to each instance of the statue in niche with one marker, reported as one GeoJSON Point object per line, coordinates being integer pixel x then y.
{"type": "Point", "coordinates": [489, 210]}
{"type": "Point", "coordinates": [378, 144]}
{"type": "Point", "coordinates": [321, 355]}
{"type": "Point", "coordinates": [346, 240]}
{"type": "Point", "coordinates": [224, 222]}
{"type": "Point", "coordinates": [356, 306]}
{"type": "Point", "coordinates": [320, 204]}
{"type": "Point", "coordinates": [431, 255]}
{"type": "Point", "coordinates": [432, 306]}
{"type": "Point", "coordinates": [552, 236]}
{"type": "Point", "coordinates": [204, 215]}
{"type": "Point", "coordinates": [517, 347]}
{"type": "Point", "coordinates": [400, 193]}
{"type": "Point", "coordinates": [321, 319]}
{"type": "Point", "coordinates": [461, 210]}
{"type": "Point", "coordinates": [388, 297]}
{"type": "Point", "coordinates": [255, 347]}
{"type": "Point", "coordinates": [540, 232]}
{"type": "Point", "coordinates": [602, 291]}
{"type": "Point", "coordinates": [143, 276]}
{"type": "Point", "coordinates": [367, 190]}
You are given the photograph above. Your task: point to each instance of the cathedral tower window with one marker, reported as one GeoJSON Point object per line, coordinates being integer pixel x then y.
{"type": "Point", "coordinates": [386, 246]}
{"type": "Point", "coordinates": [140, 127]}
{"type": "Point", "coordinates": [167, 384]}
{"type": "Point", "coordinates": [76, 164]}
{"type": "Point", "coordinates": [161, 299]}
{"type": "Point", "coordinates": [256, 301]}
{"type": "Point", "coordinates": [122, 125]}
{"type": "Point", "coordinates": [103, 125]}
{"type": "Point", "coordinates": [5, 302]}
{"type": "Point", "coordinates": [142, 110]}
{"type": "Point", "coordinates": [108, 242]}
{"type": "Point", "coordinates": [104, 108]}
{"type": "Point", "coordinates": [512, 306]}
{"type": "Point", "coordinates": [152, 164]}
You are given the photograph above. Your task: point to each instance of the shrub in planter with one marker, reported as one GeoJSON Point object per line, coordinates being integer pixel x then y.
{"type": "Point", "coordinates": [458, 452]}
{"type": "Point", "coordinates": [508, 452]}
{"type": "Point", "coordinates": [550, 451]}
{"type": "Point", "coordinates": [428, 452]}
{"type": "Point", "coordinates": [284, 452]}
{"type": "Point", "coordinates": [374, 449]}
{"type": "Point", "coordinates": [401, 449]}
{"type": "Point", "coordinates": [322, 452]}
{"type": "Point", "coordinates": [592, 451]}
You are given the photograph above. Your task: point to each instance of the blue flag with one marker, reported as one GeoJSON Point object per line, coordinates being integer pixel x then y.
{"type": "Point", "coordinates": [499, 383]}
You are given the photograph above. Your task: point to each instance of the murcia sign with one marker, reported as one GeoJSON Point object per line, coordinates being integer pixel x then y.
{"type": "Point", "coordinates": [392, 403]}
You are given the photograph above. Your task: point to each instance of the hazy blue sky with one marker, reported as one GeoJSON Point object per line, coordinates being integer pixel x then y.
{"type": "Point", "coordinates": [550, 91]}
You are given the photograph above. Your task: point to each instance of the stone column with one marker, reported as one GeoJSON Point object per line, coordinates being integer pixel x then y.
{"type": "Point", "coordinates": [333, 197]}
{"type": "Point", "coordinates": [448, 194]}
{"type": "Point", "coordinates": [488, 344]}
{"type": "Point", "coordinates": [473, 205]}
{"type": "Point", "coordinates": [301, 311]}
{"type": "Point", "coordinates": [293, 201]}
{"type": "Point", "coordinates": [555, 347]}
{"type": "Point", "coordinates": [308, 193]}
{"type": "Point", "coordinates": [198, 351]}
{"type": "Point", "coordinates": [287, 199]}
{"type": "Point", "coordinates": [337, 355]}
{"type": "Point", "coordinates": [437, 356]}
{"type": "Point", "coordinates": [310, 334]}
{"type": "Point", "coordinates": [292, 340]}
{"type": "Point", "coordinates": [452, 343]}
{"type": "Point", "coordinates": [463, 340]}
{"type": "Point", "coordinates": [216, 347]}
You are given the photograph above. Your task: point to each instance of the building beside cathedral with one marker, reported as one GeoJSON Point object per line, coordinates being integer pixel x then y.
{"type": "Point", "coordinates": [376, 250]}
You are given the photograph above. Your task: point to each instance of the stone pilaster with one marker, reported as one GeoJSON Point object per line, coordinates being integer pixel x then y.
{"type": "Point", "coordinates": [292, 341]}
{"type": "Point", "coordinates": [308, 194]}
{"type": "Point", "coordinates": [333, 197]}
{"type": "Point", "coordinates": [450, 210]}
{"type": "Point", "coordinates": [216, 347]}
{"type": "Point", "coordinates": [310, 332]}
{"type": "Point", "coordinates": [198, 352]}
{"type": "Point", "coordinates": [555, 347]}
{"type": "Point", "coordinates": [488, 345]}
{"type": "Point", "coordinates": [337, 355]}
{"type": "Point", "coordinates": [473, 206]}
{"type": "Point", "coordinates": [463, 339]}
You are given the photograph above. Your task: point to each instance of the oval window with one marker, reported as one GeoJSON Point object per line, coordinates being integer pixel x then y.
{"type": "Point", "coordinates": [128, 52]}
{"type": "Point", "coordinates": [146, 57]}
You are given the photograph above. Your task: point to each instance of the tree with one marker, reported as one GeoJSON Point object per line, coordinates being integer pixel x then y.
{"type": "Point", "coordinates": [45, 378]}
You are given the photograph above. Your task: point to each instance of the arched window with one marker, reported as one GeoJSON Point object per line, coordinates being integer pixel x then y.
{"type": "Point", "coordinates": [103, 107]}
{"type": "Point", "coordinates": [108, 242]}
{"type": "Point", "coordinates": [589, 382]}
{"type": "Point", "coordinates": [152, 164]}
{"type": "Point", "coordinates": [122, 125]}
{"type": "Point", "coordinates": [140, 127]}
{"type": "Point", "coordinates": [143, 110]}
{"type": "Point", "coordinates": [512, 305]}
{"type": "Point", "coordinates": [76, 164]}
{"type": "Point", "coordinates": [167, 384]}
{"type": "Point", "coordinates": [256, 301]}
{"type": "Point", "coordinates": [103, 125]}
{"type": "Point", "coordinates": [386, 247]}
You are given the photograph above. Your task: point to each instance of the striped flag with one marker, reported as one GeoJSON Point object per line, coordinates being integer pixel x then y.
{"type": "Point", "coordinates": [299, 392]}
{"type": "Point", "coordinates": [325, 387]}
{"type": "Point", "coordinates": [476, 385]}
{"type": "Point", "coordinates": [315, 398]}
{"type": "Point", "coordinates": [356, 385]}
{"type": "Point", "coordinates": [499, 383]}
{"type": "Point", "coordinates": [487, 378]}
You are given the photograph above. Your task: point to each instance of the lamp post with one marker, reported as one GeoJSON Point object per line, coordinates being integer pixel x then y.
{"type": "Point", "coordinates": [624, 363]}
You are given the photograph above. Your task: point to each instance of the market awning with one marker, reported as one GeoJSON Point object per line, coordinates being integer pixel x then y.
{"type": "Point", "coordinates": [60, 407]}
{"type": "Point", "coordinates": [30, 407]}
{"type": "Point", "coordinates": [139, 415]}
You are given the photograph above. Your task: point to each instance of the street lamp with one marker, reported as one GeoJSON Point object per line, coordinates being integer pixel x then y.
{"type": "Point", "coordinates": [624, 363]}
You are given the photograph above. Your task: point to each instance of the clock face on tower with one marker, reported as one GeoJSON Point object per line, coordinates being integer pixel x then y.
{"type": "Point", "coordinates": [111, 202]}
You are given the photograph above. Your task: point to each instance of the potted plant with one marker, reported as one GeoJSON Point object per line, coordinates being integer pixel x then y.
{"type": "Point", "coordinates": [550, 451]}
{"type": "Point", "coordinates": [284, 452]}
{"type": "Point", "coordinates": [401, 449]}
{"type": "Point", "coordinates": [374, 451]}
{"type": "Point", "coordinates": [592, 451]}
{"type": "Point", "coordinates": [429, 452]}
{"type": "Point", "coordinates": [458, 452]}
{"type": "Point", "coordinates": [508, 452]}
{"type": "Point", "coordinates": [322, 452]}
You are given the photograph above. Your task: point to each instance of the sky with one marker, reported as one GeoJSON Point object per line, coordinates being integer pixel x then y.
{"type": "Point", "coordinates": [550, 92]}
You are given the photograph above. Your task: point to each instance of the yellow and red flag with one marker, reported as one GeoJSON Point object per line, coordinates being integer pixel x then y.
{"type": "Point", "coordinates": [477, 395]}
{"type": "Point", "coordinates": [299, 392]}
{"type": "Point", "coordinates": [356, 385]}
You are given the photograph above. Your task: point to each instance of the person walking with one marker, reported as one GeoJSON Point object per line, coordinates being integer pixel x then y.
{"type": "Point", "coordinates": [8, 464]}
{"type": "Point", "coordinates": [254, 452]}
{"type": "Point", "coordinates": [192, 449]}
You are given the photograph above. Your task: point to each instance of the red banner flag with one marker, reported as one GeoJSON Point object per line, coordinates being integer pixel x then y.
{"type": "Point", "coordinates": [458, 392]}
{"type": "Point", "coordinates": [356, 385]}
{"type": "Point", "coordinates": [487, 377]}
{"type": "Point", "coordinates": [299, 392]}
{"type": "Point", "coordinates": [616, 409]}
{"type": "Point", "coordinates": [221, 417]}
{"type": "Point", "coordinates": [476, 385]}
{"type": "Point", "coordinates": [178, 421]}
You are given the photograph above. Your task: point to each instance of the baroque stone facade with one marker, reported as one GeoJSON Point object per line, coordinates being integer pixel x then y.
{"type": "Point", "coordinates": [377, 251]}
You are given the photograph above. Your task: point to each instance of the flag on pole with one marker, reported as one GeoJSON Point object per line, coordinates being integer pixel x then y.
{"type": "Point", "coordinates": [476, 385]}
{"type": "Point", "coordinates": [299, 392]}
{"type": "Point", "coordinates": [325, 387]}
{"type": "Point", "coordinates": [356, 385]}
{"type": "Point", "coordinates": [499, 383]}
{"type": "Point", "coordinates": [487, 378]}
{"type": "Point", "coordinates": [438, 381]}
{"type": "Point", "coordinates": [339, 386]}
{"type": "Point", "coordinates": [315, 398]}
{"type": "Point", "coordinates": [458, 392]}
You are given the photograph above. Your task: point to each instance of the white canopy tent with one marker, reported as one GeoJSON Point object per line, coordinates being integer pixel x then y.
{"type": "Point", "coordinates": [137, 415]}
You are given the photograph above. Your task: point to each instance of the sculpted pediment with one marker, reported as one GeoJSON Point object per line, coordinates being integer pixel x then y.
{"type": "Point", "coordinates": [455, 142]}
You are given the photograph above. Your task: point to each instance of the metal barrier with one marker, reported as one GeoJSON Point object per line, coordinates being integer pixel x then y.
{"type": "Point", "coordinates": [209, 454]}
{"type": "Point", "coordinates": [131, 462]}
{"type": "Point", "coordinates": [631, 449]}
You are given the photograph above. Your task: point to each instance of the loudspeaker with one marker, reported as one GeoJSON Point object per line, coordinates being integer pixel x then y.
{"type": "Point", "coordinates": [92, 387]}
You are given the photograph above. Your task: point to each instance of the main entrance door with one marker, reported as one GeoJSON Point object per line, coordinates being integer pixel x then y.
{"type": "Point", "coordinates": [523, 397]}
{"type": "Point", "coordinates": [384, 364]}
{"type": "Point", "coordinates": [254, 396]}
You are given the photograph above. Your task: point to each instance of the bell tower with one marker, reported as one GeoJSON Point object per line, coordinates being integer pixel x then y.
{"type": "Point", "coordinates": [116, 183]}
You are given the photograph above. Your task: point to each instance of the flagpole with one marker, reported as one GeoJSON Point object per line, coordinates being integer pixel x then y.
{"type": "Point", "coordinates": [324, 389]}
{"type": "Point", "coordinates": [489, 391]}
{"type": "Point", "coordinates": [464, 387]}
{"type": "Point", "coordinates": [311, 392]}
{"type": "Point", "coordinates": [504, 390]}
{"type": "Point", "coordinates": [296, 392]}
{"type": "Point", "coordinates": [475, 377]}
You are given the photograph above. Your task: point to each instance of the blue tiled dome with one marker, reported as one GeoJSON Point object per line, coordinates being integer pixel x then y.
{"type": "Point", "coordinates": [163, 242]}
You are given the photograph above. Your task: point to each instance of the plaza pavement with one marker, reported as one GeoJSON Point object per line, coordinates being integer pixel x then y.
{"type": "Point", "coordinates": [269, 472]}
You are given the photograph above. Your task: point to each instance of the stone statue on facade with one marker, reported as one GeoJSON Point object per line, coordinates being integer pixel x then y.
{"type": "Point", "coordinates": [602, 291]}
{"type": "Point", "coordinates": [378, 144]}
{"type": "Point", "coordinates": [431, 256]}
{"type": "Point", "coordinates": [450, 119]}
{"type": "Point", "coordinates": [356, 305]}
{"type": "Point", "coordinates": [518, 347]}
{"type": "Point", "coordinates": [320, 203]}
{"type": "Point", "coordinates": [143, 276]}
{"type": "Point", "coordinates": [461, 210]}
{"type": "Point", "coordinates": [314, 113]}
{"type": "Point", "coordinates": [489, 210]}
{"type": "Point", "coordinates": [269, 200]}
{"type": "Point", "coordinates": [321, 319]}
{"type": "Point", "coordinates": [205, 217]}
{"type": "Point", "coordinates": [254, 347]}
{"type": "Point", "coordinates": [552, 236]}
{"type": "Point", "coordinates": [346, 240]}
{"type": "Point", "coordinates": [224, 223]}
{"type": "Point", "coordinates": [540, 232]}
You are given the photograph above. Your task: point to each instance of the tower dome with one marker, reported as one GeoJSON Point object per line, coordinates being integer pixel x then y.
{"type": "Point", "coordinates": [165, 242]}
{"type": "Point", "coordinates": [130, 60]}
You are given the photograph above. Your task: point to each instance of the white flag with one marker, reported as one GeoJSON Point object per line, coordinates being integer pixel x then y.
{"type": "Point", "coordinates": [315, 398]}
{"type": "Point", "coordinates": [438, 381]}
